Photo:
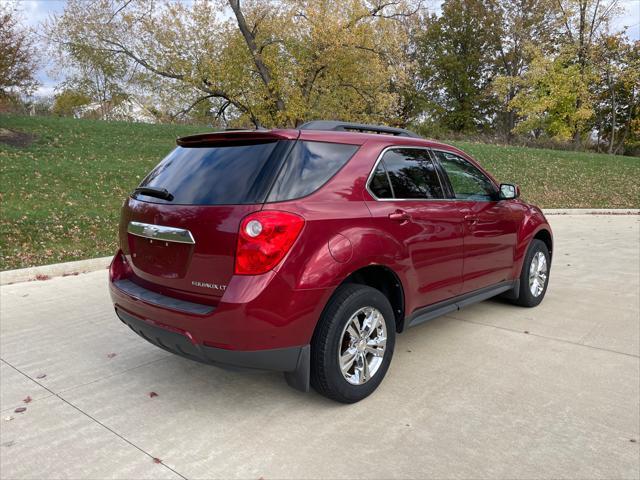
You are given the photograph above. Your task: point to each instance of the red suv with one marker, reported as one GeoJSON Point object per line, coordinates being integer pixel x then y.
{"type": "Point", "coordinates": [306, 251]}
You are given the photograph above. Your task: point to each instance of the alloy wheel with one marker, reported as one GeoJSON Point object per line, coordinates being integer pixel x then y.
{"type": "Point", "coordinates": [362, 345]}
{"type": "Point", "coordinates": [538, 274]}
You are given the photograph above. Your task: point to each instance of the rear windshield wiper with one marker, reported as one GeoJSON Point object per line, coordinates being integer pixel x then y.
{"type": "Point", "coordinates": [155, 192]}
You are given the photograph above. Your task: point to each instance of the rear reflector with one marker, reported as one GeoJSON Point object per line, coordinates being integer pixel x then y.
{"type": "Point", "coordinates": [119, 267]}
{"type": "Point", "coordinates": [264, 239]}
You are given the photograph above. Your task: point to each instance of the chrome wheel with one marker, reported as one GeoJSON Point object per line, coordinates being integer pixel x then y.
{"type": "Point", "coordinates": [538, 274]}
{"type": "Point", "coordinates": [362, 345]}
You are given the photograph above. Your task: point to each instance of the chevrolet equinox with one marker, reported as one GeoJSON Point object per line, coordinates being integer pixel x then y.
{"type": "Point", "coordinates": [306, 251]}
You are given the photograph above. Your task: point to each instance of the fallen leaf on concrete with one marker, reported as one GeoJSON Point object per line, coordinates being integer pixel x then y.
{"type": "Point", "coordinates": [8, 444]}
{"type": "Point", "coordinates": [152, 394]}
{"type": "Point", "coordinates": [156, 460]}
{"type": "Point", "coordinates": [27, 400]}
{"type": "Point", "coordinates": [8, 419]}
{"type": "Point", "coordinates": [41, 376]}
{"type": "Point", "coordinates": [40, 276]}
{"type": "Point", "coordinates": [111, 355]}
{"type": "Point", "coordinates": [20, 409]}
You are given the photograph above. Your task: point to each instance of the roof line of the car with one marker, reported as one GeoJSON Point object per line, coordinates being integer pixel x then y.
{"type": "Point", "coordinates": [354, 138]}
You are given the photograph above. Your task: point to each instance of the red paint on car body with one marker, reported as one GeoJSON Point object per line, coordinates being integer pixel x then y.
{"type": "Point", "coordinates": [437, 249]}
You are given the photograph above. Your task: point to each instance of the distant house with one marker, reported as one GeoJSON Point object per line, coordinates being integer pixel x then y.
{"type": "Point", "coordinates": [130, 110]}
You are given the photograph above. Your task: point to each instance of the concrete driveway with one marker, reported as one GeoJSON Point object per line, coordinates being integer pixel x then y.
{"type": "Point", "coordinates": [494, 391]}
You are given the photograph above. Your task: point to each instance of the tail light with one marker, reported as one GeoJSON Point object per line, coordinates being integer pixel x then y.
{"type": "Point", "coordinates": [119, 267]}
{"type": "Point", "coordinates": [264, 239]}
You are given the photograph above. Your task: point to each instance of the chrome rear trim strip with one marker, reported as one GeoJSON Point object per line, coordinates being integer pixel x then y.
{"type": "Point", "coordinates": [160, 232]}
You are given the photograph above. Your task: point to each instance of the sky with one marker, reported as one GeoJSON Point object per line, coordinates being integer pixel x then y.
{"type": "Point", "coordinates": [36, 11]}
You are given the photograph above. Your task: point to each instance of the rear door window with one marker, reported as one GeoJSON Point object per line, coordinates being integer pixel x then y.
{"type": "Point", "coordinates": [218, 175]}
{"type": "Point", "coordinates": [309, 166]}
{"type": "Point", "coordinates": [412, 173]}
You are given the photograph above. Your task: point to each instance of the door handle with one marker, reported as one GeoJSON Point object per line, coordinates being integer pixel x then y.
{"type": "Point", "coordinates": [400, 216]}
{"type": "Point", "coordinates": [472, 219]}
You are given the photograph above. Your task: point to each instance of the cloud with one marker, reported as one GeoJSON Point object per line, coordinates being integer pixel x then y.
{"type": "Point", "coordinates": [45, 91]}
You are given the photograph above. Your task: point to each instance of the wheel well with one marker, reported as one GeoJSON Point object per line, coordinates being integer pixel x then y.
{"type": "Point", "coordinates": [383, 279]}
{"type": "Point", "coordinates": [545, 236]}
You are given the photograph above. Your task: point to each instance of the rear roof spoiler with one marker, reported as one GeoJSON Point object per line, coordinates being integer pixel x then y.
{"type": "Point", "coordinates": [357, 127]}
{"type": "Point", "coordinates": [227, 136]}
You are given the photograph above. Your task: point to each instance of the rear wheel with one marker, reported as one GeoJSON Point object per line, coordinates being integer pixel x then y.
{"type": "Point", "coordinates": [534, 277]}
{"type": "Point", "coordinates": [353, 344]}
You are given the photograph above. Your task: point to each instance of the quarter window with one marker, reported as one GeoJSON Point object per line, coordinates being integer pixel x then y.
{"type": "Point", "coordinates": [379, 184]}
{"type": "Point", "coordinates": [412, 174]}
{"type": "Point", "coordinates": [309, 166]}
{"type": "Point", "coordinates": [467, 181]}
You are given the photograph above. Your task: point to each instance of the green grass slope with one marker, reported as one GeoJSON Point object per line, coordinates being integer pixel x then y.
{"type": "Point", "coordinates": [563, 179]}
{"type": "Point", "coordinates": [60, 197]}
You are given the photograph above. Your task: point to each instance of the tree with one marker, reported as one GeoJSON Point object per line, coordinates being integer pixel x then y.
{"type": "Point", "coordinates": [523, 23]}
{"type": "Point", "coordinates": [554, 97]}
{"type": "Point", "coordinates": [457, 51]}
{"type": "Point", "coordinates": [67, 102]}
{"type": "Point", "coordinates": [17, 54]}
{"type": "Point", "coordinates": [581, 21]}
{"type": "Point", "coordinates": [617, 93]}
{"type": "Point", "coordinates": [272, 63]}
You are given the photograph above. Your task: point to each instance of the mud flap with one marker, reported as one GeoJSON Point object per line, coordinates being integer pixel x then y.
{"type": "Point", "coordinates": [299, 378]}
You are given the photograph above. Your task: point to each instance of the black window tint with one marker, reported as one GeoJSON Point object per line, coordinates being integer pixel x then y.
{"type": "Point", "coordinates": [379, 184]}
{"type": "Point", "coordinates": [214, 175]}
{"type": "Point", "coordinates": [309, 166]}
{"type": "Point", "coordinates": [412, 174]}
{"type": "Point", "coordinates": [467, 181]}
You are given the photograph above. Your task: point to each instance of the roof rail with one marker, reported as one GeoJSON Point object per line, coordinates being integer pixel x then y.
{"type": "Point", "coordinates": [356, 127]}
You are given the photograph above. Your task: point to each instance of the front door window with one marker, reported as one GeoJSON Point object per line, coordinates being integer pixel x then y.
{"type": "Point", "coordinates": [467, 181]}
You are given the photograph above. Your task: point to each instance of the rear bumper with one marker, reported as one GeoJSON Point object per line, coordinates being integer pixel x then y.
{"type": "Point", "coordinates": [294, 361]}
{"type": "Point", "coordinates": [260, 312]}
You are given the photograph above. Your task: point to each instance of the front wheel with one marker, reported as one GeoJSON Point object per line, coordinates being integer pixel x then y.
{"type": "Point", "coordinates": [534, 277]}
{"type": "Point", "coordinates": [353, 344]}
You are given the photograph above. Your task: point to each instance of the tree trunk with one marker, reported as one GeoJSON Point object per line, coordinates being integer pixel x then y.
{"type": "Point", "coordinates": [613, 121]}
{"type": "Point", "coordinates": [250, 40]}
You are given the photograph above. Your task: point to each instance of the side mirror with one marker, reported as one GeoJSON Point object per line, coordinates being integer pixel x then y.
{"type": "Point", "coordinates": [509, 191]}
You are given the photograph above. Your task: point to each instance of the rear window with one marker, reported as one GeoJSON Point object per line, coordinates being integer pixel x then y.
{"type": "Point", "coordinates": [244, 174]}
{"type": "Point", "coordinates": [236, 174]}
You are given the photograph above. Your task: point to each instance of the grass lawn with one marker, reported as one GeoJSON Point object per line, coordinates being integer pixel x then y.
{"type": "Point", "coordinates": [562, 179]}
{"type": "Point", "coordinates": [60, 196]}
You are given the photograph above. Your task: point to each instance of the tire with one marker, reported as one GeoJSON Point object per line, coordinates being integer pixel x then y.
{"type": "Point", "coordinates": [526, 297]}
{"type": "Point", "coordinates": [332, 337]}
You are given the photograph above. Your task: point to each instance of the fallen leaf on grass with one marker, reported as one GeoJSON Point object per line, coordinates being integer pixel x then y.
{"type": "Point", "coordinates": [111, 355]}
{"type": "Point", "coordinates": [27, 400]}
{"type": "Point", "coordinates": [152, 394]}
{"type": "Point", "coordinates": [20, 409]}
